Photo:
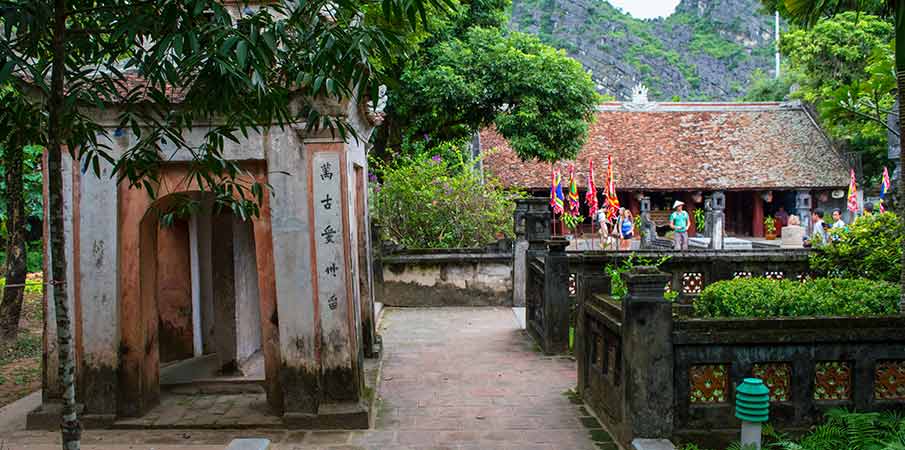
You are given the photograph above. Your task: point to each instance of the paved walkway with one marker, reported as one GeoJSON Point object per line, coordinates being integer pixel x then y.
{"type": "Point", "coordinates": [452, 378]}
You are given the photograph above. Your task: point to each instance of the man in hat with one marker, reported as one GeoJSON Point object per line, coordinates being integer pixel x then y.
{"type": "Point", "coordinates": [678, 221]}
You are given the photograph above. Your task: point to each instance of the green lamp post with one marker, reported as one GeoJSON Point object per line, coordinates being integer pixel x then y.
{"type": "Point", "coordinates": [752, 407]}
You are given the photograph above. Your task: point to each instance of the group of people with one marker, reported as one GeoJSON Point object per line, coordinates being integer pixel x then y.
{"type": "Point", "coordinates": [794, 235]}
{"type": "Point", "coordinates": [623, 229]}
{"type": "Point", "coordinates": [620, 232]}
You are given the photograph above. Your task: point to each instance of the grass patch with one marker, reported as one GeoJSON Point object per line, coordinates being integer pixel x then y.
{"type": "Point", "coordinates": [27, 345]}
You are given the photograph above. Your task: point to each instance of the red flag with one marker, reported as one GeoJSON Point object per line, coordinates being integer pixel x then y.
{"type": "Point", "coordinates": [853, 194]}
{"type": "Point", "coordinates": [591, 195]}
{"type": "Point", "coordinates": [611, 201]}
{"type": "Point", "coordinates": [885, 188]}
{"type": "Point", "coordinates": [573, 192]}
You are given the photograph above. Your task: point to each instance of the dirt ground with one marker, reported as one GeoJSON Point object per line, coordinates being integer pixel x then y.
{"type": "Point", "coordinates": [20, 362]}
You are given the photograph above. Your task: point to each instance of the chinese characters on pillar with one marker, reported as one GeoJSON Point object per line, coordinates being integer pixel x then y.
{"type": "Point", "coordinates": [328, 232]}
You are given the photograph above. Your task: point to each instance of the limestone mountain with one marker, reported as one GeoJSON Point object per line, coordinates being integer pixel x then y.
{"type": "Point", "coordinates": [706, 50]}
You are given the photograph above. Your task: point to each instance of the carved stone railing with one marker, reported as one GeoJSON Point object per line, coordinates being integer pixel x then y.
{"type": "Point", "coordinates": [547, 301]}
{"type": "Point", "coordinates": [649, 374]}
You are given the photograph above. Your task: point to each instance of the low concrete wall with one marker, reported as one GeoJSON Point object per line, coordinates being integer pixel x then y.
{"type": "Point", "coordinates": [445, 278]}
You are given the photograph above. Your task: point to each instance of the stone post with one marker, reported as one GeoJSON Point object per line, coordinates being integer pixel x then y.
{"type": "Point", "coordinates": [538, 218]}
{"type": "Point", "coordinates": [648, 228]}
{"type": "Point", "coordinates": [803, 209]}
{"type": "Point", "coordinates": [557, 305]}
{"type": "Point", "coordinates": [520, 250]}
{"type": "Point", "coordinates": [715, 220]}
{"type": "Point", "coordinates": [648, 354]}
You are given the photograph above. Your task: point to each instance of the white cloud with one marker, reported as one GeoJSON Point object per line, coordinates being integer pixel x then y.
{"type": "Point", "coordinates": [646, 9]}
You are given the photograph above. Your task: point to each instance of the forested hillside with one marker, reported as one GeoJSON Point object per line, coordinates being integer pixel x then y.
{"type": "Point", "coordinates": [706, 50]}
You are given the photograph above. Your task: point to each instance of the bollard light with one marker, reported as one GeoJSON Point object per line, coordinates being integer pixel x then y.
{"type": "Point", "coordinates": [752, 407]}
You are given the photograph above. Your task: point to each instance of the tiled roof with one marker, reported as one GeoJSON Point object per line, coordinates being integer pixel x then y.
{"type": "Point", "coordinates": [690, 146]}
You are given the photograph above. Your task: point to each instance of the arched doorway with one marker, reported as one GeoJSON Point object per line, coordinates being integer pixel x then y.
{"type": "Point", "coordinates": [197, 298]}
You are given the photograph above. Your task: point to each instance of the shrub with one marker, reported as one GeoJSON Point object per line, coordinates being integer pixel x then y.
{"type": "Point", "coordinates": [760, 297]}
{"type": "Point", "coordinates": [437, 202]}
{"type": "Point", "coordinates": [870, 248]}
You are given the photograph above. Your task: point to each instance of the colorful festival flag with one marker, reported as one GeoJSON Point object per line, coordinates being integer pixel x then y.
{"type": "Point", "coordinates": [556, 198]}
{"type": "Point", "coordinates": [611, 201]}
{"type": "Point", "coordinates": [885, 187]}
{"type": "Point", "coordinates": [591, 196]}
{"type": "Point", "coordinates": [853, 194]}
{"type": "Point", "coordinates": [573, 192]}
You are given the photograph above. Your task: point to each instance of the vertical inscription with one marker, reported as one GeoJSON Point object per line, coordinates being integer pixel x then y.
{"type": "Point", "coordinates": [328, 227]}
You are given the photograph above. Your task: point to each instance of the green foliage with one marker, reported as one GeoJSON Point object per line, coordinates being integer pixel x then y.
{"type": "Point", "coordinates": [441, 203]}
{"type": "Point", "coordinates": [32, 182]}
{"type": "Point", "coordinates": [700, 220]}
{"type": "Point", "coordinates": [537, 97]}
{"type": "Point", "coordinates": [572, 222]}
{"type": "Point", "coordinates": [769, 225]}
{"type": "Point", "coordinates": [844, 65]}
{"type": "Point", "coordinates": [764, 88]}
{"type": "Point", "coordinates": [760, 297]}
{"type": "Point", "coordinates": [255, 63]}
{"type": "Point", "coordinates": [34, 257]}
{"type": "Point", "coordinates": [871, 247]}
{"type": "Point", "coordinates": [618, 289]}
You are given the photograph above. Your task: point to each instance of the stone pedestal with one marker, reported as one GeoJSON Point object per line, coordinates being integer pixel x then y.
{"type": "Point", "coordinates": [715, 220]}
{"type": "Point", "coordinates": [557, 305]}
{"type": "Point", "coordinates": [648, 358]}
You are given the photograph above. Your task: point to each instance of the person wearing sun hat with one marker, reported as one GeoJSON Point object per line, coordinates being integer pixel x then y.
{"type": "Point", "coordinates": [678, 221]}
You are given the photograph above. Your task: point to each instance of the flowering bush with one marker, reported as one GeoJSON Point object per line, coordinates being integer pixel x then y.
{"type": "Point", "coordinates": [440, 202]}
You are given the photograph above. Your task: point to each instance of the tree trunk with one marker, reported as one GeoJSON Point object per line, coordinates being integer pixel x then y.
{"type": "Point", "coordinates": [900, 86]}
{"type": "Point", "coordinates": [70, 426]}
{"type": "Point", "coordinates": [11, 305]}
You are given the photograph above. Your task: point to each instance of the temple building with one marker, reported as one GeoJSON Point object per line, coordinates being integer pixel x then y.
{"type": "Point", "coordinates": [762, 156]}
{"type": "Point", "coordinates": [278, 305]}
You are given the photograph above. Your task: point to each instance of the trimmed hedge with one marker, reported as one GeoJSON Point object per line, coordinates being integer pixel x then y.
{"type": "Point", "coordinates": [760, 297]}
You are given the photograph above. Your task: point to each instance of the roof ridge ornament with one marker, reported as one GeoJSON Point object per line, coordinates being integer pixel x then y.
{"type": "Point", "coordinates": [639, 99]}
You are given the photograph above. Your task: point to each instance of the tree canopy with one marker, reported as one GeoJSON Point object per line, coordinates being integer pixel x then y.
{"type": "Point", "coordinates": [844, 66]}
{"type": "Point", "coordinates": [468, 72]}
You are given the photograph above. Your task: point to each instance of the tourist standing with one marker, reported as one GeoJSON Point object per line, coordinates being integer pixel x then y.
{"type": "Point", "coordinates": [626, 229]}
{"type": "Point", "coordinates": [869, 209]}
{"type": "Point", "coordinates": [782, 215]}
{"type": "Point", "coordinates": [678, 221]}
{"type": "Point", "coordinates": [818, 234]}
{"type": "Point", "coordinates": [602, 230]}
{"type": "Point", "coordinates": [838, 223]}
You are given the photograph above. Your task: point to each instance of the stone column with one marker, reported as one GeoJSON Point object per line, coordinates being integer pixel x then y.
{"type": "Point", "coordinates": [715, 220]}
{"type": "Point", "coordinates": [648, 228]}
{"type": "Point", "coordinates": [757, 219]}
{"type": "Point", "coordinates": [557, 305]}
{"type": "Point", "coordinates": [648, 354]}
{"type": "Point", "coordinates": [803, 209]}
{"type": "Point", "coordinates": [520, 250]}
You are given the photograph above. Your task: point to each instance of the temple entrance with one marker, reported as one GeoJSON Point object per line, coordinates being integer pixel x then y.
{"type": "Point", "coordinates": [196, 326]}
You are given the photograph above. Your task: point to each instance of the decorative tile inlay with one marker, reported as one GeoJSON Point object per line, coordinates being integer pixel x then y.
{"type": "Point", "coordinates": [832, 380]}
{"type": "Point", "coordinates": [573, 285]}
{"type": "Point", "coordinates": [708, 383]}
{"type": "Point", "coordinates": [692, 282]}
{"type": "Point", "coordinates": [741, 275]}
{"type": "Point", "coordinates": [773, 275]}
{"type": "Point", "coordinates": [889, 381]}
{"type": "Point", "coordinates": [777, 377]}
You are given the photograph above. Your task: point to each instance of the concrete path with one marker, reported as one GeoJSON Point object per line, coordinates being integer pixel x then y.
{"type": "Point", "coordinates": [452, 378]}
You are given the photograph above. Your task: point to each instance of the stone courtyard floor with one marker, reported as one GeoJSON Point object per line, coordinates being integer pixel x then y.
{"type": "Point", "coordinates": [452, 378]}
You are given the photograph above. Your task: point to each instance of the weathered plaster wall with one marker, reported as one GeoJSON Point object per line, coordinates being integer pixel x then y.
{"type": "Point", "coordinates": [174, 295]}
{"type": "Point", "coordinates": [248, 308]}
{"type": "Point", "coordinates": [446, 280]}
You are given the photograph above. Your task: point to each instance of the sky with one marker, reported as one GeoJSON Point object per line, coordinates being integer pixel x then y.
{"type": "Point", "coordinates": [646, 9]}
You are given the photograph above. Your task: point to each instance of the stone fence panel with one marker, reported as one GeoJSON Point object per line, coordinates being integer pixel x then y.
{"type": "Point", "coordinates": [445, 278]}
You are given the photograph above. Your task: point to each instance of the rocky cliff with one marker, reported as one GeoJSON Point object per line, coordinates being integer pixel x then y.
{"type": "Point", "coordinates": [706, 50]}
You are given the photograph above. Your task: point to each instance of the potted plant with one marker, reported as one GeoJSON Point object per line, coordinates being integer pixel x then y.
{"type": "Point", "coordinates": [572, 222]}
{"type": "Point", "coordinates": [770, 228]}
